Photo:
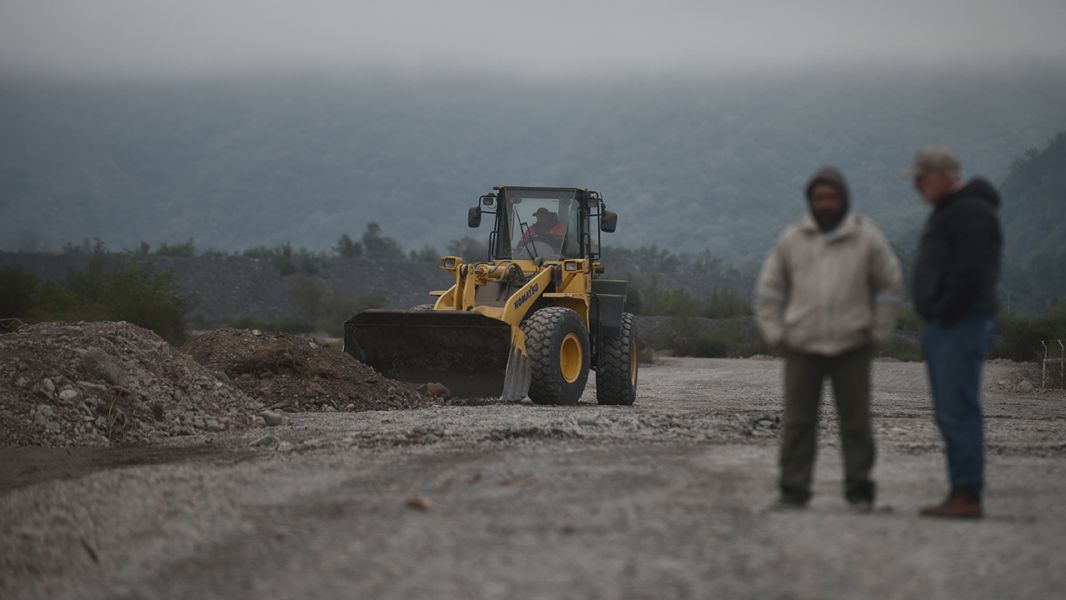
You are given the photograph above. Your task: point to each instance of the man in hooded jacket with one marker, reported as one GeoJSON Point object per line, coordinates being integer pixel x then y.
{"type": "Point", "coordinates": [954, 291]}
{"type": "Point", "coordinates": [829, 290]}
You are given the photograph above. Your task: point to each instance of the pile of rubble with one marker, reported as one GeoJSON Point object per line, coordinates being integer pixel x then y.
{"type": "Point", "coordinates": [98, 384]}
{"type": "Point", "coordinates": [1021, 379]}
{"type": "Point", "coordinates": [102, 384]}
{"type": "Point", "coordinates": [294, 373]}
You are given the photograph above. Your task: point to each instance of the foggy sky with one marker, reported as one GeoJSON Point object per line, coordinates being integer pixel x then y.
{"type": "Point", "coordinates": [174, 38]}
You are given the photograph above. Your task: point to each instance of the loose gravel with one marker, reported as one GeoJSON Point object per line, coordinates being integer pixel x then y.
{"type": "Point", "coordinates": [665, 499]}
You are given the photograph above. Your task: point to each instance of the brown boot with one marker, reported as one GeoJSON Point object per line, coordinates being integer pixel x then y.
{"type": "Point", "coordinates": [960, 504]}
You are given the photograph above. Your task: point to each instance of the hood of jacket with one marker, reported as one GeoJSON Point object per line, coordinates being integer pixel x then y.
{"type": "Point", "coordinates": [976, 188]}
{"type": "Point", "coordinates": [834, 179]}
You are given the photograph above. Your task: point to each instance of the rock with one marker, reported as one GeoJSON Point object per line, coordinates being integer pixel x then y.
{"type": "Point", "coordinates": [1003, 383]}
{"type": "Point", "coordinates": [47, 410]}
{"type": "Point", "coordinates": [267, 441]}
{"type": "Point", "coordinates": [101, 423]}
{"type": "Point", "coordinates": [40, 419]}
{"type": "Point", "coordinates": [433, 390]}
{"type": "Point", "coordinates": [47, 386]}
{"type": "Point", "coordinates": [272, 418]}
{"type": "Point", "coordinates": [284, 447]}
{"type": "Point", "coordinates": [766, 422]}
{"type": "Point", "coordinates": [211, 424]}
{"type": "Point", "coordinates": [88, 385]}
{"type": "Point", "coordinates": [21, 382]}
{"type": "Point", "coordinates": [69, 394]}
{"type": "Point", "coordinates": [1024, 387]}
{"type": "Point", "coordinates": [101, 365]}
{"type": "Point", "coordinates": [158, 412]}
{"type": "Point", "coordinates": [258, 421]}
{"type": "Point", "coordinates": [418, 502]}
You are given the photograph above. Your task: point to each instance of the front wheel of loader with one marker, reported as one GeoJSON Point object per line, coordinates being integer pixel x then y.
{"type": "Point", "coordinates": [616, 373]}
{"type": "Point", "coordinates": [558, 347]}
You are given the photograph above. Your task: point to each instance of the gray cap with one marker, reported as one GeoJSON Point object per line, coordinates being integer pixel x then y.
{"type": "Point", "coordinates": [932, 158]}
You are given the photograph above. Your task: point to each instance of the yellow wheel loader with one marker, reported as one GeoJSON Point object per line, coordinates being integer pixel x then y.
{"type": "Point", "coordinates": [532, 319]}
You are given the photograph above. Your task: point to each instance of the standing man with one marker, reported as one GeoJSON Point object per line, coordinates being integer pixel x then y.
{"type": "Point", "coordinates": [955, 279]}
{"type": "Point", "coordinates": [829, 290]}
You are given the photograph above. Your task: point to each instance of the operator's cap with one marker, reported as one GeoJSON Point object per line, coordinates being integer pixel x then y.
{"type": "Point", "coordinates": [933, 158]}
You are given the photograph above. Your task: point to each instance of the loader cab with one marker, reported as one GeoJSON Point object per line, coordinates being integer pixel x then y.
{"type": "Point", "coordinates": [548, 224]}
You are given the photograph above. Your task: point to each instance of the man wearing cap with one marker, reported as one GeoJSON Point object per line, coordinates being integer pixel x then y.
{"type": "Point", "coordinates": [954, 291]}
{"type": "Point", "coordinates": [547, 223]}
{"type": "Point", "coordinates": [829, 290]}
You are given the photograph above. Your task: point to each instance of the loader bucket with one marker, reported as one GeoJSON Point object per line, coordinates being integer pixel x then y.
{"type": "Point", "coordinates": [465, 351]}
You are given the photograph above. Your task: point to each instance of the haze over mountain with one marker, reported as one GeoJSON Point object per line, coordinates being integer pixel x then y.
{"type": "Point", "coordinates": [717, 162]}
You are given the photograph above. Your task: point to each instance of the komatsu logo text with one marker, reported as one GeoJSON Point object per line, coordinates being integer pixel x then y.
{"type": "Point", "coordinates": [526, 296]}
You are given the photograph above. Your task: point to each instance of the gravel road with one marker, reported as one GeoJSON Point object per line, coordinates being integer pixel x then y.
{"type": "Point", "coordinates": [666, 499]}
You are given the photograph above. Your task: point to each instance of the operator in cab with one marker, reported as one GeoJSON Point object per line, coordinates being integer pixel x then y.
{"type": "Point", "coordinates": [547, 224]}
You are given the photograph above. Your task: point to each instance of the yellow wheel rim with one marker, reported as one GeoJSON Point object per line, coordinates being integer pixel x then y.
{"type": "Point", "coordinates": [633, 363]}
{"type": "Point", "coordinates": [570, 358]}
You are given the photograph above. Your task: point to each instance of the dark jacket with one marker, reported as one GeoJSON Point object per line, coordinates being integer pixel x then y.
{"type": "Point", "coordinates": [959, 255]}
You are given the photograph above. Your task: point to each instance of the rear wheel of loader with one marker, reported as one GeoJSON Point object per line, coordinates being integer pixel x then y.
{"type": "Point", "coordinates": [558, 347]}
{"type": "Point", "coordinates": [616, 373]}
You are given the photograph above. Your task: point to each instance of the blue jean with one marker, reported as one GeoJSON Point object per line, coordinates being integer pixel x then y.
{"type": "Point", "coordinates": [954, 355]}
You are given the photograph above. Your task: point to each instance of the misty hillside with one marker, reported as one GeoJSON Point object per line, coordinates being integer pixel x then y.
{"type": "Point", "coordinates": [715, 164]}
{"type": "Point", "coordinates": [1035, 216]}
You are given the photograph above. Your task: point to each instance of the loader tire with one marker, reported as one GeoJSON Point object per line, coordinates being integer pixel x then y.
{"type": "Point", "coordinates": [558, 347]}
{"type": "Point", "coordinates": [616, 373]}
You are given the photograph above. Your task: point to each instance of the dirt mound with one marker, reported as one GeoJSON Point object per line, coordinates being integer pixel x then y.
{"type": "Point", "coordinates": [98, 384]}
{"type": "Point", "coordinates": [294, 373]}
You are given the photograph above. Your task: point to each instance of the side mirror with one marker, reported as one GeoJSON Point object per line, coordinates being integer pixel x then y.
{"type": "Point", "coordinates": [609, 221]}
{"type": "Point", "coordinates": [473, 216]}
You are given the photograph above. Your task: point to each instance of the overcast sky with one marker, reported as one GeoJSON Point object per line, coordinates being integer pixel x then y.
{"type": "Point", "coordinates": [168, 38]}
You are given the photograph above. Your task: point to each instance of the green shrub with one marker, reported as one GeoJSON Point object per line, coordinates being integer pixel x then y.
{"type": "Point", "coordinates": [908, 319]}
{"type": "Point", "coordinates": [901, 349]}
{"type": "Point", "coordinates": [316, 310]}
{"type": "Point", "coordinates": [730, 340]}
{"type": "Point", "coordinates": [719, 304]}
{"type": "Point", "coordinates": [1019, 338]}
{"type": "Point", "coordinates": [185, 249]}
{"type": "Point", "coordinates": [125, 292]}
{"type": "Point", "coordinates": [19, 289]}
{"type": "Point", "coordinates": [645, 356]}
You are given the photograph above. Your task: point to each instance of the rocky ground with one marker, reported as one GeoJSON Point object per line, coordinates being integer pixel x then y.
{"type": "Point", "coordinates": [294, 373]}
{"type": "Point", "coordinates": [116, 384]}
{"type": "Point", "coordinates": [665, 499]}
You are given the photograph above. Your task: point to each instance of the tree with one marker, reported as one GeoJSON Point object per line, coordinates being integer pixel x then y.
{"type": "Point", "coordinates": [426, 254]}
{"type": "Point", "coordinates": [469, 249]}
{"type": "Point", "coordinates": [378, 247]}
{"type": "Point", "coordinates": [306, 295]}
{"type": "Point", "coordinates": [347, 247]}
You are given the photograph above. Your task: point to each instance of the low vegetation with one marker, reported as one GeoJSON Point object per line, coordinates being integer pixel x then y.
{"type": "Point", "coordinates": [125, 292]}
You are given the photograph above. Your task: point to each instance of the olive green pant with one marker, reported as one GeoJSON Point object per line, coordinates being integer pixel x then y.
{"type": "Point", "coordinates": [850, 376]}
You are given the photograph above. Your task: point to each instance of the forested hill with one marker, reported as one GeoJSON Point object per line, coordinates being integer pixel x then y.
{"type": "Point", "coordinates": [1034, 208]}
{"type": "Point", "coordinates": [715, 163]}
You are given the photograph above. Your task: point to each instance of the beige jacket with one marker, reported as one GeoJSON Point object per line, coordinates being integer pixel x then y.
{"type": "Point", "coordinates": [826, 293]}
